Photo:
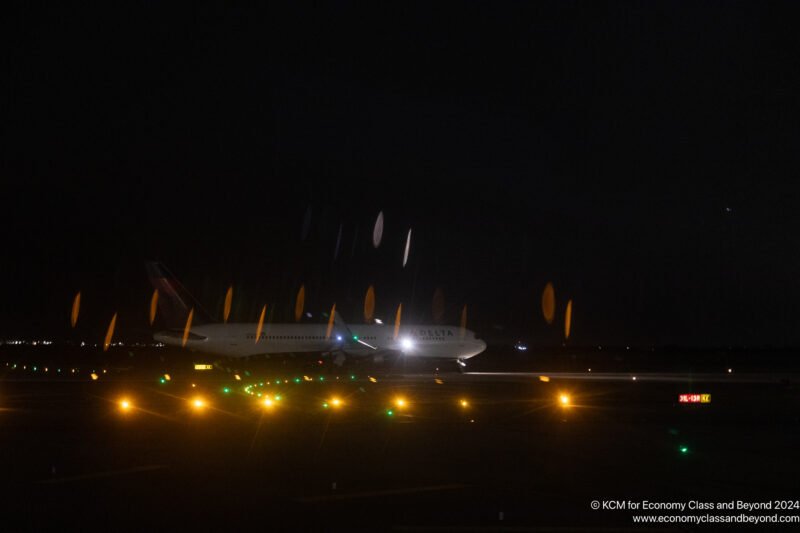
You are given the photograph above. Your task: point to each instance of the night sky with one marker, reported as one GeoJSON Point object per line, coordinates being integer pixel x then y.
{"type": "Point", "coordinates": [642, 156]}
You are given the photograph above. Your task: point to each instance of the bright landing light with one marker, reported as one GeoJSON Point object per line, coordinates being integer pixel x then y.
{"type": "Point", "coordinates": [198, 403]}
{"type": "Point", "coordinates": [406, 343]}
{"type": "Point", "coordinates": [125, 404]}
{"type": "Point", "coordinates": [400, 402]}
{"type": "Point", "coordinates": [267, 402]}
{"type": "Point", "coordinates": [563, 399]}
{"type": "Point", "coordinates": [464, 403]}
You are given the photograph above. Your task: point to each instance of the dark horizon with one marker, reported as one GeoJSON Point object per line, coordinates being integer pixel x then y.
{"type": "Point", "coordinates": [639, 157]}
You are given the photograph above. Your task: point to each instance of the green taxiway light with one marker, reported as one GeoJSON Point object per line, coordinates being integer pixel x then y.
{"type": "Point", "coordinates": [355, 337]}
{"type": "Point", "coordinates": [226, 390]}
{"type": "Point", "coordinates": [352, 377]}
{"type": "Point", "coordinates": [162, 380]}
{"type": "Point", "coordinates": [325, 405]}
{"type": "Point", "coordinates": [322, 378]}
{"type": "Point", "coordinates": [389, 412]}
{"type": "Point", "coordinates": [297, 380]}
{"type": "Point", "coordinates": [684, 449]}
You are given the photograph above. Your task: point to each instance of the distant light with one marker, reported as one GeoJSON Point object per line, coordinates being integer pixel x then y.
{"type": "Point", "coordinates": [563, 399]}
{"type": "Point", "coordinates": [590, 370]}
{"type": "Point", "coordinates": [193, 385]}
{"type": "Point", "coordinates": [167, 377]}
{"type": "Point", "coordinates": [389, 412]}
{"type": "Point", "coordinates": [226, 390]}
{"type": "Point", "coordinates": [373, 380]}
{"type": "Point", "coordinates": [355, 337]}
{"type": "Point", "coordinates": [684, 449]}
{"type": "Point", "coordinates": [379, 321]}
{"type": "Point", "coordinates": [406, 344]}
{"type": "Point", "coordinates": [162, 380]}
{"type": "Point", "coordinates": [634, 378]}
{"type": "Point", "coordinates": [203, 366]}
{"type": "Point", "coordinates": [237, 377]}
{"type": "Point", "coordinates": [297, 380]}
{"type": "Point", "coordinates": [544, 379]}
{"type": "Point", "coordinates": [322, 378]}
{"type": "Point", "coordinates": [94, 376]}
{"type": "Point", "coordinates": [730, 370]}
{"type": "Point", "coordinates": [521, 346]}
{"type": "Point", "coordinates": [352, 377]}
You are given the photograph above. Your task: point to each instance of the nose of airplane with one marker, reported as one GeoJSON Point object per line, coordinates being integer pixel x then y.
{"type": "Point", "coordinates": [480, 346]}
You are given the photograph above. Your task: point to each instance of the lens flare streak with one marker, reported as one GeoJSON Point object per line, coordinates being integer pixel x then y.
{"type": "Point", "coordinates": [110, 332]}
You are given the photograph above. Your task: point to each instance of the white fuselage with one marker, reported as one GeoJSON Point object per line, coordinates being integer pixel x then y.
{"type": "Point", "coordinates": [239, 340]}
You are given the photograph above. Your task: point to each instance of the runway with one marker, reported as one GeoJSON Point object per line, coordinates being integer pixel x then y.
{"type": "Point", "coordinates": [490, 450]}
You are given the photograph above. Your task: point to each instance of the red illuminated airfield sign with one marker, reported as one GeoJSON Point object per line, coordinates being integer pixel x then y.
{"type": "Point", "coordinates": [694, 398]}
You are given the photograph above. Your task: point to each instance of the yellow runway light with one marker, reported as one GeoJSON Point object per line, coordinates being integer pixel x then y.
{"type": "Point", "coordinates": [400, 402]}
{"type": "Point", "coordinates": [464, 403]}
{"type": "Point", "coordinates": [564, 400]}
{"type": "Point", "coordinates": [125, 405]}
{"type": "Point", "coordinates": [198, 403]}
{"type": "Point", "coordinates": [544, 379]}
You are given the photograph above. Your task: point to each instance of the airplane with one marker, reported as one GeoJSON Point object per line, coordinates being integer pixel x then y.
{"type": "Point", "coordinates": [238, 340]}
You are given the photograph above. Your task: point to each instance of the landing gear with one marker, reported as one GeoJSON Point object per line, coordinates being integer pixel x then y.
{"type": "Point", "coordinates": [462, 365]}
